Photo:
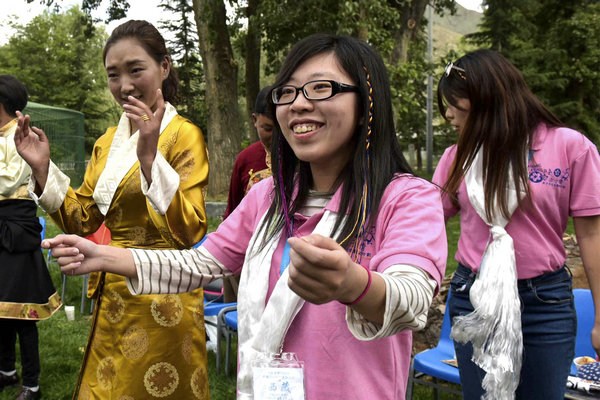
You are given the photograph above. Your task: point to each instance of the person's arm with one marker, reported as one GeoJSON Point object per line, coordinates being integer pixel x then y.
{"type": "Point", "coordinates": [175, 193]}
{"type": "Point", "coordinates": [33, 146]}
{"type": "Point", "coordinates": [440, 177]}
{"type": "Point", "coordinates": [321, 271]}
{"type": "Point", "coordinates": [14, 171]}
{"type": "Point", "coordinates": [409, 231]}
{"type": "Point", "coordinates": [409, 292]}
{"type": "Point", "coordinates": [148, 271]}
{"type": "Point", "coordinates": [75, 210]}
{"type": "Point", "coordinates": [587, 230]}
{"type": "Point", "coordinates": [78, 256]}
{"type": "Point", "coordinates": [148, 126]}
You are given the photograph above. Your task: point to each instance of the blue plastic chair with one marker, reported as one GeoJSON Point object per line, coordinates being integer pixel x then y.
{"type": "Point", "coordinates": [43, 224]}
{"type": "Point", "coordinates": [227, 324]}
{"type": "Point", "coordinates": [213, 309]}
{"type": "Point", "coordinates": [231, 327]}
{"type": "Point", "coordinates": [584, 307]}
{"type": "Point", "coordinates": [429, 363]}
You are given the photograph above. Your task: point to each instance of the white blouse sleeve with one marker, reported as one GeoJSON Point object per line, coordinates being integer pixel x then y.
{"type": "Point", "coordinates": [57, 185]}
{"type": "Point", "coordinates": [14, 171]}
{"type": "Point", "coordinates": [165, 182]}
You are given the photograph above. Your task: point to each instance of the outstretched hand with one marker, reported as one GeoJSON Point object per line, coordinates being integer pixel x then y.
{"type": "Point", "coordinates": [321, 270]}
{"type": "Point", "coordinates": [74, 254]}
{"type": "Point", "coordinates": [32, 145]}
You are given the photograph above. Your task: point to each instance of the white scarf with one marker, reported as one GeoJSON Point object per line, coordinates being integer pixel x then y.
{"type": "Point", "coordinates": [121, 157]}
{"type": "Point", "coordinates": [494, 327]}
{"type": "Point", "coordinates": [262, 329]}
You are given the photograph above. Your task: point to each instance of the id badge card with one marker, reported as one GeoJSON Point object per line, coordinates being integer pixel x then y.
{"type": "Point", "coordinates": [278, 377]}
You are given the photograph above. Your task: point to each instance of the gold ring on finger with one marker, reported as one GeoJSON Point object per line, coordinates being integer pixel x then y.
{"type": "Point", "coordinates": [145, 117]}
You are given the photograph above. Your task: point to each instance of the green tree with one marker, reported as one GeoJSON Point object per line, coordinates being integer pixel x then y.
{"type": "Point", "coordinates": [186, 59]}
{"type": "Point", "coordinates": [559, 56]}
{"type": "Point", "coordinates": [281, 24]}
{"type": "Point", "coordinates": [58, 57]}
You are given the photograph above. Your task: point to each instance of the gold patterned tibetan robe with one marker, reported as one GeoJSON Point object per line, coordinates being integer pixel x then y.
{"type": "Point", "coordinates": [144, 347]}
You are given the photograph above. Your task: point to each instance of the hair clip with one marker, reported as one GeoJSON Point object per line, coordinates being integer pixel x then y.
{"type": "Point", "coordinates": [461, 71]}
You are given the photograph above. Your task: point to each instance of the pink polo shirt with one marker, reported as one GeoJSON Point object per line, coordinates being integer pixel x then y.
{"type": "Point", "coordinates": [564, 180]}
{"type": "Point", "coordinates": [409, 230]}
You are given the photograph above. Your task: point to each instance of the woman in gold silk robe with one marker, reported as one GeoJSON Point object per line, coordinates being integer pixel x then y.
{"type": "Point", "coordinates": [145, 182]}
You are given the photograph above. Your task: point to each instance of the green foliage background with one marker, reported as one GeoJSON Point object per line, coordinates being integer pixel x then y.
{"type": "Point", "coordinates": [58, 57]}
{"type": "Point", "coordinates": [556, 44]}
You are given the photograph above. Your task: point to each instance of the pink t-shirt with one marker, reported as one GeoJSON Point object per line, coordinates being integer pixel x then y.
{"type": "Point", "coordinates": [564, 180]}
{"type": "Point", "coordinates": [409, 230]}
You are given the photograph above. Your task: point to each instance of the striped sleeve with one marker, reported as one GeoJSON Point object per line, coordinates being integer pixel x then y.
{"type": "Point", "coordinates": [409, 292]}
{"type": "Point", "coordinates": [174, 271]}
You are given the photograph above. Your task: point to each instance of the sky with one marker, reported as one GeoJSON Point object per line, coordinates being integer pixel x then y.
{"type": "Point", "coordinates": [474, 5]}
{"type": "Point", "coordinates": [139, 9]}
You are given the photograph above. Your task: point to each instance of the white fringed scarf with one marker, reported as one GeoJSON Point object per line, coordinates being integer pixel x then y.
{"type": "Point", "coordinates": [262, 328]}
{"type": "Point", "coordinates": [494, 327]}
{"type": "Point", "coordinates": [121, 157]}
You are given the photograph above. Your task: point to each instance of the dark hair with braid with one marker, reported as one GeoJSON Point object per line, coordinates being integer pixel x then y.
{"type": "Point", "coordinates": [154, 44]}
{"type": "Point", "coordinates": [376, 156]}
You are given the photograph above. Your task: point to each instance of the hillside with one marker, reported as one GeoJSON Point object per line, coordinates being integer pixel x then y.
{"type": "Point", "coordinates": [449, 29]}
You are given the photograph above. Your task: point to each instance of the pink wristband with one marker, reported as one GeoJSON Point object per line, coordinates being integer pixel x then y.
{"type": "Point", "coordinates": [364, 292]}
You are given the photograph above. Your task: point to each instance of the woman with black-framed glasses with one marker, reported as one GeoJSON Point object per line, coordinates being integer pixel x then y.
{"type": "Point", "coordinates": [515, 176]}
{"type": "Point", "coordinates": [340, 252]}
{"type": "Point", "coordinates": [322, 89]}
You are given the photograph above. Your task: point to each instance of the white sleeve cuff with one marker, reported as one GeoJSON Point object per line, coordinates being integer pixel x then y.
{"type": "Point", "coordinates": [53, 196]}
{"type": "Point", "coordinates": [165, 182]}
{"type": "Point", "coordinates": [134, 284]}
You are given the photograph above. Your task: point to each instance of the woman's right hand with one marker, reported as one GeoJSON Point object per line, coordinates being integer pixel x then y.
{"type": "Point", "coordinates": [74, 254]}
{"type": "Point", "coordinates": [32, 145]}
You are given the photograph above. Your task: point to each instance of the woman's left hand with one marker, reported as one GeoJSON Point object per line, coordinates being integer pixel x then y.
{"type": "Point", "coordinates": [321, 270]}
{"type": "Point", "coordinates": [148, 124]}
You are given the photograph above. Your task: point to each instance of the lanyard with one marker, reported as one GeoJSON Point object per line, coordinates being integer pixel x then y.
{"type": "Point", "coordinates": [285, 258]}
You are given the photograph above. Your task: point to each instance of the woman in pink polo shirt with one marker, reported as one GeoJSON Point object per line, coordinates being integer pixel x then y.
{"type": "Point", "coordinates": [515, 176]}
{"type": "Point", "coordinates": [340, 252]}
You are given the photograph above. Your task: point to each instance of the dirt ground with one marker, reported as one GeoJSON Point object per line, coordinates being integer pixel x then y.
{"type": "Point", "coordinates": [428, 337]}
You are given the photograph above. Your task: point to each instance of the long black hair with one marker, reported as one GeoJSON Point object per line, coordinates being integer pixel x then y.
{"type": "Point", "coordinates": [368, 172]}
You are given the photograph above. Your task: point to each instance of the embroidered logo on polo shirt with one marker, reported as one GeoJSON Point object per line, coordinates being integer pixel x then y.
{"type": "Point", "coordinates": [555, 177]}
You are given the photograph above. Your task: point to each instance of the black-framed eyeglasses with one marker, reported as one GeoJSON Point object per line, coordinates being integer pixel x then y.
{"type": "Point", "coordinates": [313, 90]}
{"type": "Point", "coordinates": [461, 71]}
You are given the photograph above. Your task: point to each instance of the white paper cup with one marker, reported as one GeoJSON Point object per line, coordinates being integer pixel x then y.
{"type": "Point", "coordinates": [70, 311]}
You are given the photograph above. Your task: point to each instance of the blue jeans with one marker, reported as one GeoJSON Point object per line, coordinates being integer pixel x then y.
{"type": "Point", "coordinates": [549, 326]}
